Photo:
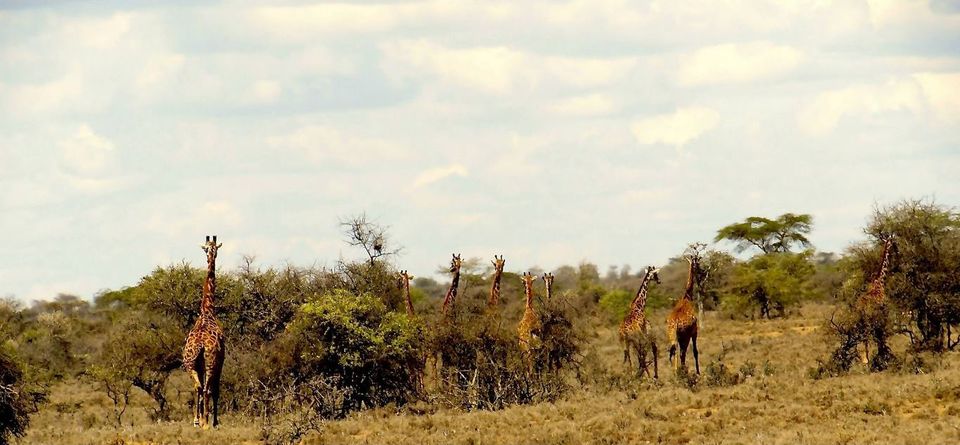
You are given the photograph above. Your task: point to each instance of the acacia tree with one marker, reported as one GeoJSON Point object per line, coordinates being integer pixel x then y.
{"type": "Point", "coordinates": [769, 235]}
{"type": "Point", "coordinates": [925, 280]}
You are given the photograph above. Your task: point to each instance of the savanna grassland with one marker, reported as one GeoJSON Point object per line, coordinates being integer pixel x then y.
{"type": "Point", "coordinates": [764, 394]}
{"type": "Point", "coordinates": [359, 353]}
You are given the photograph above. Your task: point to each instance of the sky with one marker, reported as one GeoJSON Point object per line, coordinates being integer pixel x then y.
{"type": "Point", "coordinates": [547, 131]}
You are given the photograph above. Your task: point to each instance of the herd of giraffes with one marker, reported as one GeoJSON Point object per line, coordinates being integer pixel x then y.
{"type": "Point", "coordinates": [203, 353]}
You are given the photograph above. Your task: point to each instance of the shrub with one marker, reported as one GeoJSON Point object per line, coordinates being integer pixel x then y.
{"type": "Point", "coordinates": [370, 354]}
{"type": "Point", "coordinates": [15, 401]}
{"type": "Point", "coordinates": [141, 350]}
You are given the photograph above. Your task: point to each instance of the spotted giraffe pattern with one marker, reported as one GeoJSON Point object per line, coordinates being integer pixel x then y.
{"type": "Point", "coordinates": [871, 306]}
{"type": "Point", "coordinates": [204, 350]}
{"type": "Point", "coordinates": [633, 330]}
{"type": "Point", "coordinates": [403, 282]}
{"type": "Point", "coordinates": [450, 299]}
{"type": "Point", "coordinates": [528, 330]}
{"type": "Point", "coordinates": [682, 327]}
{"type": "Point", "coordinates": [498, 264]}
{"type": "Point", "coordinates": [548, 283]}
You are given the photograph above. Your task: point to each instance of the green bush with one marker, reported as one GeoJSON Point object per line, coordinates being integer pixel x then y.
{"type": "Point", "coordinates": [616, 303]}
{"type": "Point", "coordinates": [358, 346]}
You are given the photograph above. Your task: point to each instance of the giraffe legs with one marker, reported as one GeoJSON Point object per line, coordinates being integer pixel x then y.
{"type": "Point", "coordinates": [653, 346]}
{"type": "Point", "coordinates": [696, 353]}
{"type": "Point", "coordinates": [198, 396]}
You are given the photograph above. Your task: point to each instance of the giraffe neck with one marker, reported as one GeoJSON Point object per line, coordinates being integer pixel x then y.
{"type": "Point", "coordinates": [495, 288]}
{"type": "Point", "coordinates": [640, 301]}
{"type": "Point", "coordinates": [451, 297]}
{"type": "Point", "coordinates": [406, 294]}
{"type": "Point", "coordinates": [209, 288]}
{"type": "Point", "coordinates": [528, 292]}
{"type": "Point", "coordinates": [885, 263]}
{"type": "Point", "coordinates": [691, 275]}
{"type": "Point", "coordinates": [549, 285]}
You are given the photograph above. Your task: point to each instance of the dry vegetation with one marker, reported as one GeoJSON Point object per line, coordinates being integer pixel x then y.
{"type": "Point", "coordinates": [762, 393]}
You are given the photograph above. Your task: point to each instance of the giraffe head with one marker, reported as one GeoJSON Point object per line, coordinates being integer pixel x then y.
{"type": "Point", "coordinates": [211, 247]}
{"type": "Point", "coordinates": [455, 263]}
{"type": "Point", "coordinates": [498, 263]}
{"type": "Point", "coordinates": [548, 279]}
{"type": "Point", "coordinates": [528, 279]}
{"type": "Point", "coordinates": [652, 273]}
{"type": "Point", "coordinates": [403, 279]}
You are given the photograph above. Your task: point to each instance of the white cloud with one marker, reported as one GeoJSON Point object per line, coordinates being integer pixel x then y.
{"type": "Point", "coordinates": [322, 143]}
{"type": "Point", "coordinates": [98, 33]}
{"type": "Point", "coordinates": [737, 63]}
{"type": "Point", "coordinates": [159, 68]}
{"type": "Point", "coordinates": [85, 152]}
{"type": "Point", "coordinates": [498, 69]}
{"type": "Point", "coordinates": [677, 128]}
{"type": "Point", "coordinates": [588, 105]}
{"type": "Point", "coordinates": [168, 216]}
{"type": "Point", "coordinates": [489, 69]}
{"type": "Point", "coordinates": [942, 92]}
{"type": "Point", "coordinates": [87, 160]}
{"type": "Point", "coordinates": [57, 96]}
{"type": "Point", "coordinates": [433, 175]}
{"type": "Point", "coordinates": [936, 93]}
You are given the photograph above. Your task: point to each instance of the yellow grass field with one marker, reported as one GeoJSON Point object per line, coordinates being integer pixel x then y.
{"type": "Point", "coordinates": [780, 404]}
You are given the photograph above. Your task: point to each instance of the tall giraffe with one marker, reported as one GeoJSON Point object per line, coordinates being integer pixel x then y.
{"type": "Point", "coordinates": [870, 307]}
{"type": "Point", "coordinates": [682, 325]}
{"type": "Point", "coordinates": [204, 351]}
{"type": "Point", "coordinates": [528, 330]}
{"type": "Point", "coordinates": [403, 282]}
{"type": "Point", "coordinates": [633, 329]}
{"type": "Point", "coordinates": [449, 300]}
{"type": "Point", "coordinates": [548, 282]}
{"type": "Point", "coordinates": [498, 264]}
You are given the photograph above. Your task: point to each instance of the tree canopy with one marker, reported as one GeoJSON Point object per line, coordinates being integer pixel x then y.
{"type": "Point", "coordinates": [769, 235]}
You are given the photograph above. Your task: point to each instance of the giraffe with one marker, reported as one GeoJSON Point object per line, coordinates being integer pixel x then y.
{"type": "Point", "coordinates": [403, 282]}
{"type": "Point", "coordinates": [682, 322]}
{"type": "Point", "coordinates": [548, 282]}
{"type": "Point", "coordinates": [528, 330]}
{"type": "Point", "coordinates": [203, 354]}
{"type": "Point", "coordinates": [870, 307]}
{"type": "Point", "coordinates": [498, 264]}
{"type": "Point", "coordinates": [633, 329]}
{"type": "Point", "coordinates": [449, 300]}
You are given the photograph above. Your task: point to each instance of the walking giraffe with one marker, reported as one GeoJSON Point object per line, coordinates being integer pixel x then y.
{"type": "Point", "coordinates": [203, 354]}
{"type": "Point", "coordinates": [634, 331]}
{"type": "Point", "coordinates": [682, 325]}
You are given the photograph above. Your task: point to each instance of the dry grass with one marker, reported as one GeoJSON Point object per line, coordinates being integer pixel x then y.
{"type": "Point", "coordinates": [785, 406]}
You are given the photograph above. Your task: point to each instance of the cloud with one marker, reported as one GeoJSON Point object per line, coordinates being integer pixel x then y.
{"type": "Point", "coordinates": [433, 175]}
{"type": "Point", "coordinates": [677, 128]}
{"type": "Point", "coordinates": [87, 160]}
{"type": "Point", "coordinates": [488, 69]}
{"type": "Point", "coordinates": [85, 152]}
{"type": "Point", "coordinates": [597, 104]}
{"type": "Point", "coordinates": [322, 143]}
{"type": "Point", "coordinates": [942, 92]}
{"type": "Point", "coordinates": [737, 63]}
{"type": "Point", "coordinates": [935, 93]}
{"type": "Point", "coordinates": [168, 216]}
{"type": "Point", "coordinates": [498, 69]}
